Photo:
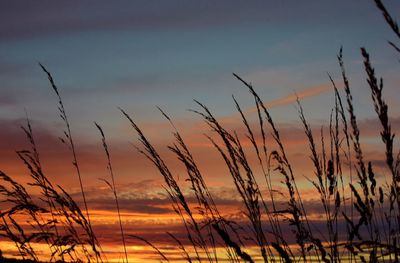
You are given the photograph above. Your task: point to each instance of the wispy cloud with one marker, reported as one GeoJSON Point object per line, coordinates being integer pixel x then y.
{"type": "Point", "coordinates": [291, 98]}
{"type": "Point", "coordinates": [25, 19]}
{"type": "Point", "coordinates": [302, 94]}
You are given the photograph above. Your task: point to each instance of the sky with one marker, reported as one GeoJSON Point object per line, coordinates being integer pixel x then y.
{"type": "Point", "coordinates": [138, 55]}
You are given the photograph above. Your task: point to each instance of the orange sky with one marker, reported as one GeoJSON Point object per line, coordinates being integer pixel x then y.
{"type": "Point", "coordinates": [146, 209]}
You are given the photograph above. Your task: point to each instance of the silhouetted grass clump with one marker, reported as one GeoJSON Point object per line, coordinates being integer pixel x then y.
{"type": "Point", "coordinates": [54, 218]}
{"type": "Point", "coordinates": [361, 214]}
{"type": "Point", "coordinates": [371, 218]}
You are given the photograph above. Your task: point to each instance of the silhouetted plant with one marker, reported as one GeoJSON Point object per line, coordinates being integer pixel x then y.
{"type": "Point", "coordinates": [367, 209]}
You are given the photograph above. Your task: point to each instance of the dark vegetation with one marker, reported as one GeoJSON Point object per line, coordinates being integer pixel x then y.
{"type": "Point", "coordinates": [350, 194]}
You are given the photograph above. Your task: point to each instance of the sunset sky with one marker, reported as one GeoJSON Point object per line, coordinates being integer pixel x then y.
{"type": "Point", "coordinates": [141, 54]}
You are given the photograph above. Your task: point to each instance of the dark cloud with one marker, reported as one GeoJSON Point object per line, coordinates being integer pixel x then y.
{"type": "Point", "coordinates": [372, 126]}
{"type": "Point", "coordinates": [144, 206]}
{"type": "Point", "coordinates": [21, 19]}
{"type": "Point", "coordinates": [11, 69]}
{"type": "Point", "coordinates": [30, 19]}
{"type": "Point", "coordinates": [14, 139]}
{"type": "Point", "coordinates": [11, 134]}
{"type": "Point", "coordinates": [7, 99]}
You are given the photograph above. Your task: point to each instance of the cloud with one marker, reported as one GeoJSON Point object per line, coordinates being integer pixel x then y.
{"type": "Point", "coordinates": [26, 19]}
{"type": "Point", "coordinates": [132, 205]}
{"type": "Point", "coordinates": [12, 69]}
{"type": "Point", "coordinates": [7, 99]}
{"type": "Point", "coordinates": [371, 127]}
{"type": "Point", "coordinates": [302, 94]}
{"type": "Point", "coordinates": [291, 98]}
{"type": "Point", "coordinates": [145, 196]}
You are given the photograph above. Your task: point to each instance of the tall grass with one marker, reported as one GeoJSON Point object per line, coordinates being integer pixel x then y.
{"type": "Point", "coordinates": [112, 186]}
{"type": "Point", "coordinates": [361, 214]}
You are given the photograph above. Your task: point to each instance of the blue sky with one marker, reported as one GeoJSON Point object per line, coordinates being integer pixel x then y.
{"type": "Point", "coordinates": [138, 54]}
{"type": "Point", "coordinates": [141, 54]}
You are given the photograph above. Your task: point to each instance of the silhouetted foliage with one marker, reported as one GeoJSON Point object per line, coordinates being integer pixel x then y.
{"type": "Point", "coordinates": [345, 181]}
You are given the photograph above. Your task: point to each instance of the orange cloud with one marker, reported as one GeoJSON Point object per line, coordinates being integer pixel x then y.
{"type": "Point", "coordinates": [305, 93]}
